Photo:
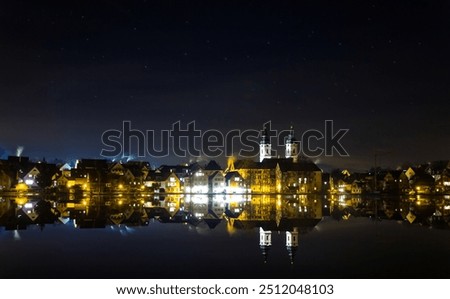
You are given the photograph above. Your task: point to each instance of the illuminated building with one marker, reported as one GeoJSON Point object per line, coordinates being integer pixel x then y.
{"type": "Point", "coordinates": [292, 146]}
{"type": "Point", "coordinates": [279, 175]}
{"type": "Point", "coordinates": [167, 182]}
{"type": "Point", "coordinates": [265, 147]}
{"type": "Point", "coordinates": [197, 182]}
{"type": "Point", "coordinates": [235, 183]}
{"type": "Point", "coordinates": [216, 182]}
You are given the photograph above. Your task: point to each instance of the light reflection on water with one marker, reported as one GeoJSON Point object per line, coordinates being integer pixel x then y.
{"type": "Point", "coordinates": [201, 236]}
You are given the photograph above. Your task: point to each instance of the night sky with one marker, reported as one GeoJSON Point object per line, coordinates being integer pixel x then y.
{"type": "Point", "coordinates": [69, 70]}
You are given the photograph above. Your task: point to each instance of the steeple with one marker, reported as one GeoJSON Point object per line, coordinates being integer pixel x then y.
{"type": "Point", "coordinates": [292, 145]}
{"type": "Point", "coordinates": [265, 148]}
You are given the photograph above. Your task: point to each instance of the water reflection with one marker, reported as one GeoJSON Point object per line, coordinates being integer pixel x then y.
{"type": "Point", "coordinates": [270, 229]}
{"type": "Point", "coordinates": [432, 211]}
{"type": "Point", "coordinates": [269, 212]}
{"type": "Point", "coordinates": [240, 211]}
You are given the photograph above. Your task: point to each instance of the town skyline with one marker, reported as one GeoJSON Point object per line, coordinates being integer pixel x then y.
{"type": "Point", "coordinates": [156, 162]}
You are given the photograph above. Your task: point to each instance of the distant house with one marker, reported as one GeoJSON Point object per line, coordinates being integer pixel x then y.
{"type": "Point", "coordinates": [29, 178]}
{"type": "Point", "coordinates": [171, 183]}
{"type": "Point", "coordinates": [117, 168]}
{"type": "Point", "coordinates": [138, 170]}
{"type": "Point", "coordinates": [197, 182]}
{"type": "Point", "coordinates": [181, 171]}
{"type": "Point", "coordinates": [356, 187]}
{"type": "Point", "coordinates": [63, 180]}
{"type": "Point", "coordinates": [234, 183]}
{"type": "Point", "coordinates": [216, 182]}
{"type": "Point", "coordinates": [302, 177]}
{"type": "Point", "coordinates": [168, 182]}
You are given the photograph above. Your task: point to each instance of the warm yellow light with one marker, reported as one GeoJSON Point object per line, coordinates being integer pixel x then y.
{"type": "Point", "coordinates": [21, 200]}
{"type": "Point", "coordinates": [120, 186]}
{"type": "Point", "coordinates": [21, 187]}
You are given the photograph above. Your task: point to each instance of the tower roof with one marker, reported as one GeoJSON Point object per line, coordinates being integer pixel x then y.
{"type": "Point", "coordinates": [265, 138]}
{"type": "Point", "coordinates": [290, 138]}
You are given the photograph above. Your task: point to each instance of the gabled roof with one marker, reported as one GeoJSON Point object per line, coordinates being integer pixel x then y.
{"type": "Point", "coordinates": [178, 169]}
{"type": "Point", "coordinates": [232, 174]}
{"type": "Point", "coordinates": [135, 170]}
{"type": "Point", "coordinates": [158, 176]}
{"type": "Point", "coordinates": [140, 164]}
{"type": "Point", "coordinates": [154, 175]}
{"type": "Point", "coordinates": [194, 167]}
{"type": "Point", "coordinates": [212, 165]}
{"type": "Point", "coordinates": [212, 222]}
{"type": "Point", "coordinates": [214, 174]}
{"type": "Point", "coordinates": [165, 176]}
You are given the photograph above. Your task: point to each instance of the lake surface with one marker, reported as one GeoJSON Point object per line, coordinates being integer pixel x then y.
{"type": "Point", "coordinates": [219, 237]}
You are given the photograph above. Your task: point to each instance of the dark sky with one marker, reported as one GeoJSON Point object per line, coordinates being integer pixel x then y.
{"type": "Point", "coordinates": [69, 70]}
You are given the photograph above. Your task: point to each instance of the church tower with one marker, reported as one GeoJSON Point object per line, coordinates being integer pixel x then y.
{"type": "Point", "coordinates": [292, 243]}
{"type": "Point", "coordinates": [292, 146]}
{"type": "Point", "coordinates": [265, 148]}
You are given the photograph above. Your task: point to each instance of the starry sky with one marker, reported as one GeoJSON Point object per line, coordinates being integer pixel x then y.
{"type": "Point", "coordinates": [69, 70]}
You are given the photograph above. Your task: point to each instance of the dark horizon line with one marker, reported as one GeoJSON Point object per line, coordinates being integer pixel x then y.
{"type": "Point", "coordinates": [322, 166]}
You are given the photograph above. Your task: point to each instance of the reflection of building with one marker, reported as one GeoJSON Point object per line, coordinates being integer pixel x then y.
{"type": "Point", "coordinates": [265, 242]}
{"type": "Point", "coordinates": [292, 214]}
{"type": "Point", "coordinates": [292, 243]}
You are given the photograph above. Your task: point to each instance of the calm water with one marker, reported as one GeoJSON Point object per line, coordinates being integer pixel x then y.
{"type": "Point", "coordinates": [219, 237]}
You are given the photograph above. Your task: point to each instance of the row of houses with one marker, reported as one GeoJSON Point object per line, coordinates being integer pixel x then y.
{"type": "Point", "coordinates": [290, 174]}
{"type": "Point", "coordinates": [430, 178]}
{"type": "Point", "coordinates": [270, 175]}
{"type": "Point", "coordinates": [98, 175]}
